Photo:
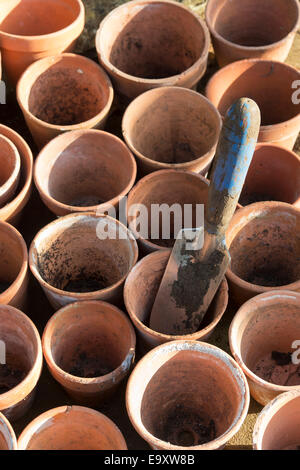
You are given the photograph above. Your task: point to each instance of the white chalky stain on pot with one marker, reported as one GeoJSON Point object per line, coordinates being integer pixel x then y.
{"type": "Point", "coordinates": [80, 71]}
{"type": "Point", "coordinates": [278, 296]}
{"type": "Point", "coordinates": [126, 364]}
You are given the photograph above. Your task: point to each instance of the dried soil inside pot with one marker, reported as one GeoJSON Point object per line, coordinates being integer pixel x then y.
{"type": "Point", "coordinates": [11, 374]}
{"type": "Point", "coordinates": [277, 367]}
{"type": "Point", "coordinates": [153, 41]}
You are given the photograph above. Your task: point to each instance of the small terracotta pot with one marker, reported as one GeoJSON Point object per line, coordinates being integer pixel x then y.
{"type": "Point", "coordinates": [278, 425]}
{"type": "Point", "coordinates": [51, 27]}
{"type": "Point", "coordinates": [172, 127]}
{"type": "Point", "coordinates": [64, 93]}
{"type": "Point", "coordinates": [148, 44]}
{"type": "Point", "coordinates": [23, 357]}
{"type": "Point", "coordinates": [262, 335]}
{"type": "Point", "coordinates": [263, 241]}
{"type": "Point", "coordinates": [9, 170]}
{"type": "Point", "coordinates": [84, 171]}
{"type": "Point", "coordinates": [270, 84]}
{"type": "Point", "coordinates": [187, 395]}
{"type": "Point", "coordinates": [13, 267]}
{"type": "Point", "coordinates": [140, 290]}
{"type": "Point", "coordinates": [12, 210]}
{"type": "Point", "coordinates": [274, 175]}
{"type": "Point", "coordinates": [89, 348]}
{"type": "Point", "coordinates": [71, 428]}
{"type": "Point", "coordinates": [8, 439]}
{"type": "Point", "coordinates": [249, 29]}
{"type": "Point", "coordinates": [75, 258]}
{"type": "Point", "coordinates": [163, 187]}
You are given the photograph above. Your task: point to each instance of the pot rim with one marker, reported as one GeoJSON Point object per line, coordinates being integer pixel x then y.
{"type": "Point", "coordinates": [150, 81]}
{"type": "Point", "coordinates": [235, 45]}
{"type": "Point", "coordinates": [79, 295]}
{"type": "Point", "coordinates": [117, 374]}
{"type": "Point", "coordinates": [154, 174]}
{"type": "Point", "coordinates": [38, 423]}
{"type": "Point", "coordinates": [270, 127]}
{"type": "Point", "coordinates": [26, 171]}
{"type": "Point", "coordinates": [161, 336]}
{"type": "Point", "coordinates": [42, 37]}
{"type": "Point", "coordinates": [151, 161]}
{"type": "Point", "coordinates": [16, 235]}
{"type": "Point", "coordinates": [268, 412]}
{"type": "Point", "coordinates": [204, 348]}
{"type": "Point", "coordinates": [235, 350]}
{"type": "Point", "coordinates": [53, 60]}
{"type": "Point", "coordinates": [17, 166]}
{"type": "Point", "coordinates": [11, 433]}
{"type": "Point", "coordinates": [68, 207]}
{"type": "Point", "coordinates": [27, 385]}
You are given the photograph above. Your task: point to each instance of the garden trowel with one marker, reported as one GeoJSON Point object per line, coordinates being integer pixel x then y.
{"type": "Point", "coordinates": [199, 258]}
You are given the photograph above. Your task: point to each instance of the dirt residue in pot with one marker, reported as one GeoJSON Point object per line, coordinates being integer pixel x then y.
{"type": "Point", "coordinates": [277, 368]}
{"type": "Point", "coordinates": [86, 201]}
{"type": "Point", "coordinates": [10, 377]}
{"type": "Point", "coordinates": [86, 283]}
{"type": "Point", "coordinates": [270, 276]}
{"type": "Point", "coordinates": [89, 366]}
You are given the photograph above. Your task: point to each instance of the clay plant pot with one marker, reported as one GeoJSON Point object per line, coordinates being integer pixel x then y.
{"type": "Point", "coordinates": [76, 258]}
{"type": "Point", "coordinates": [148, 44]}
{"type": "Point", "coordinates": [249, 29]}
{"type": "Point", "coordinates": [172, 127]}
{"type": "Point", "coordinates": [9, 170]}
{"type": "Point", "coordinates": [89, 348]}
{"type": "Point", "coordinates": [13, 267]}
{"type": "Point", "coordinates": [278, 425]}
{"type": "Point", "coordinates": [274, 175]}
{"type": "Point", "coordinates": [84, 171]}
{"type": "Point", "coordinates": [23, 359]}
{"type": "Point", "coordinates": [64, 93]}
{"type": "Point", "coordinates": [140, 290]}
{"type": "Point", "coordinates": [71, 428]}
{"type": "Point", "coordinates": [270, 84]}
{"type": "Point", "coordinates": [263, 241]}
{"type": "Point", "coordinates": [262, 336]}
{"type": "Point", "coordinates": [31, 29]}
{"type": "Point", "coordinates": [187, 395]}
{"type": "Point", "coordinates": [11, 212]}
{"type": "Point", "coordinates": [163, 187]}
{"type": "Point", "coordinates": [8, 439]}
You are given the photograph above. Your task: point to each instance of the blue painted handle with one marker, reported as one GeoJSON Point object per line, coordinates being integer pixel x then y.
{"type": "Point", "coordinates": [231, 163]}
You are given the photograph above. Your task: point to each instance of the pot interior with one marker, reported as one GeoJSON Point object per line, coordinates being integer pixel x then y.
{"type": "Point", "coordinates": [265, 247]}
{"type": "Point", "coordinates": [71, 256]}
{"type": "Point", "coordinates": [253, 23]}
{"type": "Point", "coordinates": [85, 169]}
{"type": "Point", "coordinates": [267, 340]}
{"type": "Point", "coordinates": [11, 259]}
{"type": "Point", "coordinates": [36, 17]}
{"type": "Point", "coordinates": [201, 399]}
{"type": "Point", "coordinates": [172, 126]}
{"type": "Point", "coordinates": [152, 40]}
{"type": "Point", "coordinates": [90, 340]}
{"type": "Point", "coordinates": [283, 430]}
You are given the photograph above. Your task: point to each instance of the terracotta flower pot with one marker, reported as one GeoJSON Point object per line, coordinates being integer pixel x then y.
{"type": "Point", "coordinates": [84, 171]}
{"type": "Point", "coordinates": [172, 127]}
{"type": "Point", "coordinates": [71, 428]}
{"type": "Point", "coordinates": [263, 241]}
{"type": "Point", "coordinates": [74, 258]}
{"type": "Point", "coordinates": [139, 294]}
{"type": "Point", "coordinates": [262, 335]}
{"type": "Point", "coordinates": [249, 29]}
{"type": "Point", "coordinates": [8, 439]}
{"type": "Point", "coordinates": [22, 353]}
{"type": "Point", "coordinates": [12, 210]}
{"type": "Point", "coordinates": [274, 175]}
{"type": "Point", "coordinates": [13, 267]}
{"type": "Point", "coordinates": [163, 187]}
{"type": "Point", "coordinates": [270, 84]}
{"type": "Point", "coordinates": [148, 44]}
{"type": "Point", "coordinates": [30, 30]}
{"type": "Point", "coordinates": [9, 170]}
{"type": "Point", "coordinates": [64, 93]}
{"type": "Point", "coordinates": [278, 425]}
{"type": "Point", "coordinates": [89, 348]}
{"type": "Point", "coordinates": [187, 395]}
